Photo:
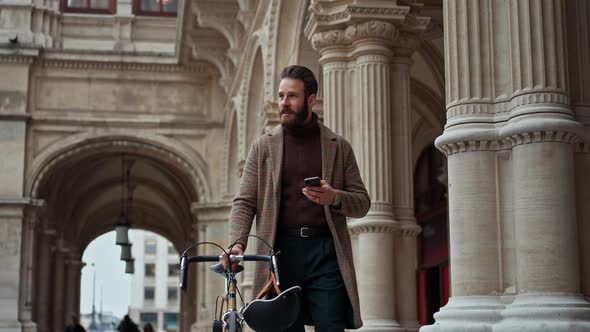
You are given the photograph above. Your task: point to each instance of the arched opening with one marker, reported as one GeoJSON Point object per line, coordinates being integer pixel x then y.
{"type": "Point", "coordinates": [148, 293]}
{"type": "Point", "coordinates": [82, 187]}
{"type": "Point", "coordinates": [431, 209]}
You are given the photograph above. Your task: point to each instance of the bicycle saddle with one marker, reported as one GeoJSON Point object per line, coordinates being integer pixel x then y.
{"type": "Point", "coordinates": [276, 314]}
{"type": "Point", "coordinates": [218, 268]}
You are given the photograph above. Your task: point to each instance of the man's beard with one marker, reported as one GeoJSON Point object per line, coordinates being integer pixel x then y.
{"type": "Point", "coordinates": [300, 117]}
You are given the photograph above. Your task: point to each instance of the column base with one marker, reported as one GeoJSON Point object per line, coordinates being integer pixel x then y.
{"type": "Point", "coordinates": [467, 313]}
{"type": "Point", "coordinates": [522, 313]}
{"type": "Point", "coordinates": [546, 313]}
{"type": "Point", "coordinates": [381, 325]}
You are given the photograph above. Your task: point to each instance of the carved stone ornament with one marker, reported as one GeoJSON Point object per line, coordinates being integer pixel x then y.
{"type": "Point", "coordinates": [367, 30]}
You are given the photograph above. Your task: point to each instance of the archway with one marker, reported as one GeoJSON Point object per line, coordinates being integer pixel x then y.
{"type": "Point", "coordinates": [80, 179]}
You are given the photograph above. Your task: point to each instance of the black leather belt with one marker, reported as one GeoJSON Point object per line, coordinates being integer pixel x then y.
{"type": "Point", "coordinates": [306, 232]}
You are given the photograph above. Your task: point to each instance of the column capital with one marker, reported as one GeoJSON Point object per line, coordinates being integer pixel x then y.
{"type": "Point", "coordinates": [325, 15]}
{"type": "Point", "coordinates": [351, 30]}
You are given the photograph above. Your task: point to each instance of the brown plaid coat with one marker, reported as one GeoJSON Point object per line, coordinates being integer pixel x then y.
{"type": "Point", "coordinates": [260, 191]}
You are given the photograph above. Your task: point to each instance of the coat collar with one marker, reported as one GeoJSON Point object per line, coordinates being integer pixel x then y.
{"type": "Point", "coordinates": [329, 142]}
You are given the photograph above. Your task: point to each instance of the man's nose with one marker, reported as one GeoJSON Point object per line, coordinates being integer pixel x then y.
{"type": "Point", "coordinates": [284, 102]}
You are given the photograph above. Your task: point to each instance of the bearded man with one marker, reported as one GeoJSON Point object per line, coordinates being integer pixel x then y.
{"type": "Point", "coordinates": [306, 223]}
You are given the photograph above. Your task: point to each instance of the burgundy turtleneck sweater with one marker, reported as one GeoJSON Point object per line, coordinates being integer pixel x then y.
{"type": "Point", "coordinates": [302, 158]}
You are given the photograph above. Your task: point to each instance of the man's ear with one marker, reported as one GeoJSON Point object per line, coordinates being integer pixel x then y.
{"type": "Point", "coordinates": [311, 100]}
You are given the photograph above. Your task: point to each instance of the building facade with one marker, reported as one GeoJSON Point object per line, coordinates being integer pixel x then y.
{"type": "Point", "coordinates": [155, 296]}
{"type": "Point", "coordinates": [469, 120]}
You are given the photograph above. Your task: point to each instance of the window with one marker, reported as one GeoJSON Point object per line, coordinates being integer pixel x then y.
{"type": "Point", "coordinates": [150, 270]}
{"type": "Point", "coordinates": [173, 270]}
{"type": "Point", "coordinates": [171, 249]}
{"type": "Point", "coordinates": [170, 321]}
{"type": "Point", "coordinates": [156, 7]}
{"type": "Point", "coordinates": [151, 246]}
{"type": "Point", "coordinates": [148, 293]}
{"type": "Point", "coordinates": [89, 6]}
{"type": "Point", "coordinates": [172, 294]}
{"type": "Point", "coordinates": [149, 317]}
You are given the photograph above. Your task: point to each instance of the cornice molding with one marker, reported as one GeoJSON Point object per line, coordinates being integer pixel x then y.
{"type": "Point", "coordinates": [471, 146]}
{"type": "Point", "coordinates": [543, 136]}
{"type": "Point", "coordinates": [324, 18]}
{"type": "Point", "coordinates": [510, 142]}
{"type": "Point", "coordinates": [20, 59]}
{"type": "Point", "coordinates": [193, 68]}
{"type": "Point", "coordinates": [410, 230]}
{"type": "Point", "coordinates": [366, 229]}
{"type": "Point", "coordinates": [540, 97]}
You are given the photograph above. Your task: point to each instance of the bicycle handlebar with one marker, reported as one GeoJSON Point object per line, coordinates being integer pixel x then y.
{"type": "Point", "coordinates": [186, 260]}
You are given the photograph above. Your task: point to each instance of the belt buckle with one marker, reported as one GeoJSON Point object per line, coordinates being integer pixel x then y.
{"type": "Point", "coordinates": [301, 232]}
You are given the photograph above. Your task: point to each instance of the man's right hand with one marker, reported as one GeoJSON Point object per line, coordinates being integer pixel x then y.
{"type": "Point", "coordinates": [236, 250]}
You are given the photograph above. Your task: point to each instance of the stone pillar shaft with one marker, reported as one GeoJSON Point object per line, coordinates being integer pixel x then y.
{"type": "Point", "coordinates": [403, 180]}
{"type": "Point", "coordinates": [538, 45]}
{"type": "Point", "coordinates": [58, 289]}
{"type": "Point", "coordinates": [473, 225]}
{"type": "Point", "coordinates": [336, 101]}
{"type": "Point", "coordinates": [377, 299]}
{"type": "Point", "coordinates": [11, 231]}
{"type": "Point", "coordinates": [375, 121]}
{"type": "Point", "coordinates": [44, 277]}
{"type": "Point", "coordinates": [545, 227]}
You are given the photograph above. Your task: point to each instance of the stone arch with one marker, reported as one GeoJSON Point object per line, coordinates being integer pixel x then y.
{"type": "Point", "coordinates": [167, 150]}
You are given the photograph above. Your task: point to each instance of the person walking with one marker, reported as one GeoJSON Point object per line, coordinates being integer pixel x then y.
{"type": "Point", "coordinates": [127, 325]}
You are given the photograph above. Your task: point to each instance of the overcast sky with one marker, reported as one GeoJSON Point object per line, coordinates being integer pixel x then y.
{"type": "Point", "coordinates": [110, 276]}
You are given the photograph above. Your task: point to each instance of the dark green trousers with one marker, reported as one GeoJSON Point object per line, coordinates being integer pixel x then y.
{"type": "Point", "coordinates": [312, 264]}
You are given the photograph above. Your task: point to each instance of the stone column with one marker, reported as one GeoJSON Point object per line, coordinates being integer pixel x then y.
{"type": "Point", "coordinates": [541, 132]}
{"type": "Point", "coordinates": [73, 269]}
{"type": "Point", "coordinates": [373, 114]}
{"type": "Point", "coordinates": [578, 33]}
{"type": "Point", "coordinates": [44, 278]}
{"type": "Point", "coordinates": [377, 231]}
{"type": "Point", "coordinates": [59, 287]}
{"type": "Point", "coordinates": [526, 191]}
{"type": "Point", "coordinates": [470, 145]}
{"type": "Point", "coordinates": [27, 268]}
{"type": "Point", "coordinates": [11, 243]}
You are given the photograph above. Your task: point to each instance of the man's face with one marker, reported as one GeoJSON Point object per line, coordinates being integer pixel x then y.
{"type": "Point", "coordinates": [293, 108]}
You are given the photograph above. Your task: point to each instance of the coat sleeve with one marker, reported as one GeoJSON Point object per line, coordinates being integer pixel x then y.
{"type": "Point", "coordinates": [244, 204]}
{"type": "Point", "coordinates": [355, 198]}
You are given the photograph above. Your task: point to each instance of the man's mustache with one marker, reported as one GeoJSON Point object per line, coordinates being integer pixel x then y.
{"type": "Point", "coordinates": [287, 110]}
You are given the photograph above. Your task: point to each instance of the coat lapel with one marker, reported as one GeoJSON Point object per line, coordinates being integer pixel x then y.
{"type": "Point", "coordinates": [329, 148]}
{"type": "Point", "coordinates": [275, 147]}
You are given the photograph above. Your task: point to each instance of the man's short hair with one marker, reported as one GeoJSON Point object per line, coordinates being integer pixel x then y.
{"type": "Point", "coordinates": [310, 84]}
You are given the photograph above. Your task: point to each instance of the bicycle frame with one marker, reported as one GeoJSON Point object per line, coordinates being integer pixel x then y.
{"type": "Point", "coordinates": [232, 319]}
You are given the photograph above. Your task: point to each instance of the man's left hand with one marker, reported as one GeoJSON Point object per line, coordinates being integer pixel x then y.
{"type": "Point", "coordinates": [323, 194]}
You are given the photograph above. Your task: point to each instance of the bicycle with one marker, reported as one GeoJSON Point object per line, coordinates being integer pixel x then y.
{"type": "Point", "coordinates": [261, 314]}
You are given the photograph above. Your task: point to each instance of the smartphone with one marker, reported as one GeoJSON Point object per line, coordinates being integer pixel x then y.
{"type": "Point", "coordinates": [313, 181]}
